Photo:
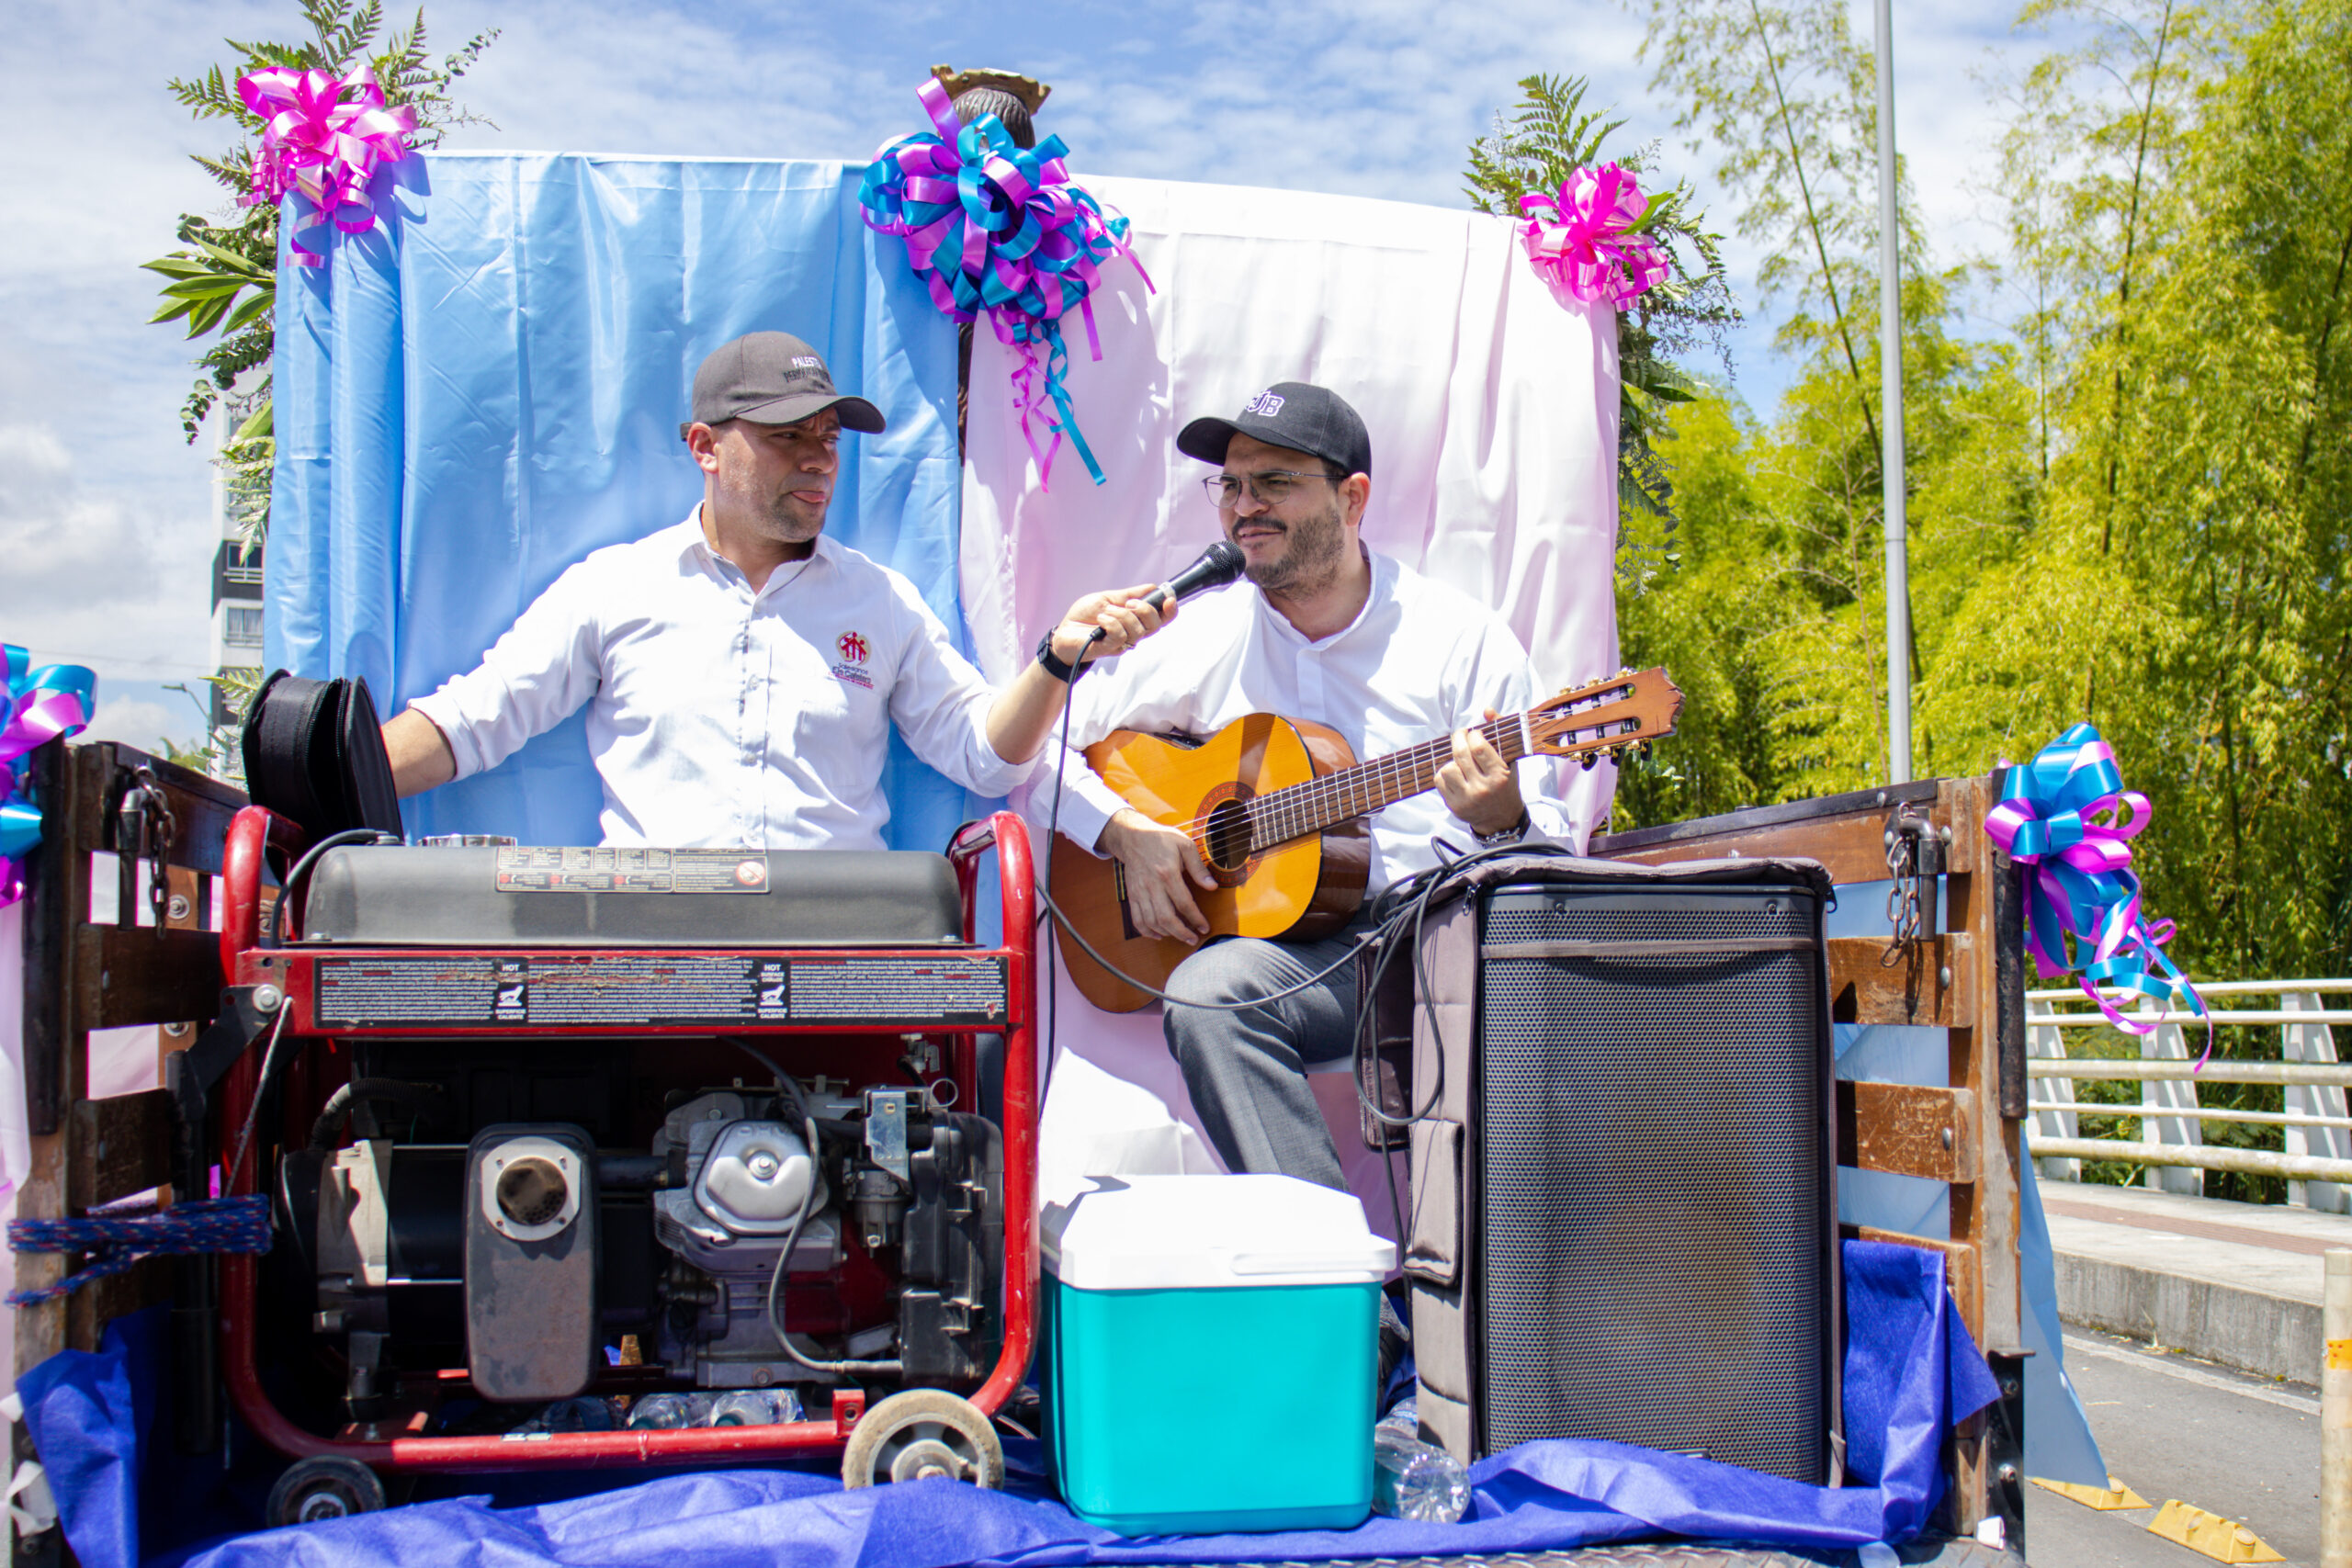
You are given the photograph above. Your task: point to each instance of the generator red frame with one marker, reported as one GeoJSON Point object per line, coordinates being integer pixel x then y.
{"type": "Point", "coordinates": [290, 968]}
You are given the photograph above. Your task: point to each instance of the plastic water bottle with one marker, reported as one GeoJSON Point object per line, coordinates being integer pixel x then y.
{"type": "Point", "coordinates": [582, 1414]}
{"type": "Point", "coordinates": [1411, 1479]}
{"type": "Point", "coordinates": [755, 1408]}
{"type": "Point", "coordinates": [663, 1413]}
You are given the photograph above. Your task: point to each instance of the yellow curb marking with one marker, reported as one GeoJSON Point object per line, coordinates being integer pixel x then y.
{"type": "Point", "coordinates": [2217, 1538]}
{"type": "Point", "coordinates": [2113, 1495]}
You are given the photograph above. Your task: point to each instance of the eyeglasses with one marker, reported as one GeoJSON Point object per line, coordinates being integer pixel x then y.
{"type": "Point", "coordinates": [1270, 488]}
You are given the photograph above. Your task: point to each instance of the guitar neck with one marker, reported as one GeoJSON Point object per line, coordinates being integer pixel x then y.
{"type": "Point", "coordinates": [1324, 803]}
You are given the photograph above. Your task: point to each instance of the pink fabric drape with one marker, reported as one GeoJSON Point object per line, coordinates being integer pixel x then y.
{"type": "Point", "coordinates": [1493, 413]}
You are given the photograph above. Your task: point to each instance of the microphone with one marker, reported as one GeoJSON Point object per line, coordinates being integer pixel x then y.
{"type": "Point", "coordinates": [1217, 565]}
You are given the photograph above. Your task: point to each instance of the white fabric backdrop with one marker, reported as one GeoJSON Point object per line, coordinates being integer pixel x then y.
{"type": "Point", "coordinates": [1493, 413]}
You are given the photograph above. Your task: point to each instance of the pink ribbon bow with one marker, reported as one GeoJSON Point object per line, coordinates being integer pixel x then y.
{"type": "Point", "coordinates": [324, 137]}
{"type": "Point", "coordinates": [1581, 241]}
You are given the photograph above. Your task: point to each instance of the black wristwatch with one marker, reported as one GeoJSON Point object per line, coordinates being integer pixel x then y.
{"type": "Point", "coordinates": [1503, 836]}
{"type": "Point", "coordinates": [1053, 666]}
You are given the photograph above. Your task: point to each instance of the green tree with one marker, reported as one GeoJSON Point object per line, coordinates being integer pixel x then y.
{"type": "Point", "coordinates": [1786, 587]}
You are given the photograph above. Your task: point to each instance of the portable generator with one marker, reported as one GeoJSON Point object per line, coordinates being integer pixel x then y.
{"type": "Point", "coordinates": [541, 1124]}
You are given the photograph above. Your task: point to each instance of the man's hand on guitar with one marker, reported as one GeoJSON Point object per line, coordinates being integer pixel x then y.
{"type": "Point", "coordinates": [1159, 862]}
{"type": "Point", "coordinates": [1478, 786]}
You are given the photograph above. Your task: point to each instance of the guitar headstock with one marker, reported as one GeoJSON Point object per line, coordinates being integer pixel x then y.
{"type": "Point", "coordinates": [1603, 717]}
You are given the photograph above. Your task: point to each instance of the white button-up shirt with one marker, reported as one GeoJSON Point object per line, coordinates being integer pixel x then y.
{"type": "Point", "coordinates": [1420, 660]}
{"type": "Point", "coordinates": [720, 718]}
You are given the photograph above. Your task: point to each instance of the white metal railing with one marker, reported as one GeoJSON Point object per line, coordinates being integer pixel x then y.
{"type": "Point", "coordinates": [2317, 1160]}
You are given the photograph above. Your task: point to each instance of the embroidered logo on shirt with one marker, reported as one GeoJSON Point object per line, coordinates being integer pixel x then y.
{"type": "Point", "coordinates": [854, 650]}
{"type": "Point", "coordinates": [1265, 404]}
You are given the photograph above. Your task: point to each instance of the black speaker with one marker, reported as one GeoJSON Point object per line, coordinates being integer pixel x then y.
{"type": "Point", "coordinates": [1653, 1173]}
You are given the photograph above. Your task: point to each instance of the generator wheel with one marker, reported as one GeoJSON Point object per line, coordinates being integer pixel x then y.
{"type": "Point", "coordinates": [920, 1433]}
{"type": "Point", "coordinates": [324, 1488]}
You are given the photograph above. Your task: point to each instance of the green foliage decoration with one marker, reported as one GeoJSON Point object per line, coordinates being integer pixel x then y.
{"type": "Point", "coordinates": [223, 279]}
{"type": "Point", "coordinates": [1541, 140]}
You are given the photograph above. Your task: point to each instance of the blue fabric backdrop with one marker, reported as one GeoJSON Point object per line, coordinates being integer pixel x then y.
{"type": "Point", "coordinates": [488, 386]}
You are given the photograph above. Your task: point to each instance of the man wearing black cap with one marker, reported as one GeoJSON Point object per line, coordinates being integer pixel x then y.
{"type": "Point", "coordinates": [741, 671]}
{"type": "Point", "coordinates": [1324, 631]}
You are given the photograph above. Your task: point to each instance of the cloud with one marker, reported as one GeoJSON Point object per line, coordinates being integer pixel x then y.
{"type": "Point", "coordinates": [91, 579]}
{"type": "Point", "coordinates": [141, 724]}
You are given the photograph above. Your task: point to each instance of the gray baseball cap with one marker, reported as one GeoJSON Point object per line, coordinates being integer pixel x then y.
{"type": "Point", "coordinates": [773, 378]}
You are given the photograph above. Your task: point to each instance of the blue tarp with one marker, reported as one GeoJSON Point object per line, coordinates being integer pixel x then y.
{"type": "Point", "coordinates": [1910, 1371]}
{"type": "Point", "coordinates": [487, 386]}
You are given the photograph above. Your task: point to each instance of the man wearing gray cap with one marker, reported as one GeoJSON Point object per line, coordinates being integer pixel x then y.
{"type": "Point", "coordinates": [741, 671]}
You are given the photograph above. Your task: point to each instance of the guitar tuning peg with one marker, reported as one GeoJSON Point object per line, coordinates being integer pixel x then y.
{"type": "Point", "coordinates": [1588, 759]}
{"type": "Point", "coordinates": [1644, 750]}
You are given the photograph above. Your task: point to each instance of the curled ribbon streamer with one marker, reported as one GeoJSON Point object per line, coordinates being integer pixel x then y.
{"type": "Point", "coordinates": [42, 705]}
{"type": "Point", "coordinates": [1582, 242]}
{"type": "Point", "coordinates": [996, 228]}
{"type": "Point", "coordinates": [325, 136]}
{"type": "Point", "coordinates": [2083, 887]}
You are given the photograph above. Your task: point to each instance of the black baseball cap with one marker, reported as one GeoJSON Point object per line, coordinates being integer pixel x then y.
{"type": "Point", "coordinates": [773, 378]}
{"type": "Point", "coordinates": [1296, 414]}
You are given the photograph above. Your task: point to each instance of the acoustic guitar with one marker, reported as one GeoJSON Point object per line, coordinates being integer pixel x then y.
{"type": "Point", "coordinates": [1277, 808]}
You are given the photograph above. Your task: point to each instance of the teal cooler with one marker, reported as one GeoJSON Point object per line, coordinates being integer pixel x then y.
{"type": "Point", "coordinates": [1208, 1354]}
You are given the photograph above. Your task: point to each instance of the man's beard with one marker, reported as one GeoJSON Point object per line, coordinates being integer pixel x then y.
{"type": "Point", "coordinates": [1317, 546]}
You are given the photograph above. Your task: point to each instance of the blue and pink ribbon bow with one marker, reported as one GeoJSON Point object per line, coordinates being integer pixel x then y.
{"type": "Point", "coordinates": [42, 705]}
{"type": "Point", "coordinates": [325, 136]}
{"type": "Point", "coordinates": [992, 228]}
{"type": "Point", "coordinates": [1582, 240]}
{"type": "Point", "coordinates": [2050, 818]}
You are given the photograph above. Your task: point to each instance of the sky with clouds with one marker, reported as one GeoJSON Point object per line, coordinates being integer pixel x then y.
{"type": "Point", "coordinates": [105, 515]}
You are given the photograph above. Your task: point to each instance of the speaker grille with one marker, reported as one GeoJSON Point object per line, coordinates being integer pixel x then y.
{"type": "Point", "coordinates": [1653, 1190]}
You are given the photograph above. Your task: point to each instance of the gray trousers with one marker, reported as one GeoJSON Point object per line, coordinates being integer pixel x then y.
{"type": "Point", "coordinates": [1246, 1070]}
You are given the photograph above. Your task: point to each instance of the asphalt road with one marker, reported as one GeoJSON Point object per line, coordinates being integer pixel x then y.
{"type": "Point", "coordinates": [2244, 1448]}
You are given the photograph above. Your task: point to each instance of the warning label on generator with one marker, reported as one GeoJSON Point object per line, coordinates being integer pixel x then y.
{"type": "Point", "coordinates": [535, 869]}
{"type": "Point", "coordinates": [946, 990]}
{"type": "Point", "coordinates": [407, 990]}
{"type": "Point", "coordinates": [624, 990]}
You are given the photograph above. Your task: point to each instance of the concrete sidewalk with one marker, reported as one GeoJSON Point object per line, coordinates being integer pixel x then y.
{"type": "Point", "coordinates": [2236, 1283]}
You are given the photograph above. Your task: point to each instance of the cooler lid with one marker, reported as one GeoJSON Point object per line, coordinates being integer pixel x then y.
{"type": "Point", "coordinates": [1149, 1233]}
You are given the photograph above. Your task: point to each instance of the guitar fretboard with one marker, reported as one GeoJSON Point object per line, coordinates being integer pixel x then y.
{"type": "Point", "coordinates": [1349, 792]}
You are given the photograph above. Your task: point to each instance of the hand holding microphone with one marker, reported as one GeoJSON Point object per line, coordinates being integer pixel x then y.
{"type": "Point", "coordinates": [1217, 565]}
{"type": "Point", "coordinates": [1138, 617]}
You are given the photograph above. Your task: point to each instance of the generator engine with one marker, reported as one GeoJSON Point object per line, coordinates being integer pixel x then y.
{"type": "Point", "coordinates": [527, 1251]}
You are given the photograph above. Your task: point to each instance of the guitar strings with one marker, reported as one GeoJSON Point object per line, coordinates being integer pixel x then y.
{"type": "Point", "coordinates": [1295, 811]}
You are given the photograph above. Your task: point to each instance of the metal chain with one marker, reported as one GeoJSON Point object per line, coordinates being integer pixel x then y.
{"type": "Point", "coordinates": [1903, 898]}
{"type": "Point", "coordinates": [157, 830]}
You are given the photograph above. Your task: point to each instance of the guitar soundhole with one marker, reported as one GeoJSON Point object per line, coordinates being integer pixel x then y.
{"type": "Point", "coordinates": [1228, 839]}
